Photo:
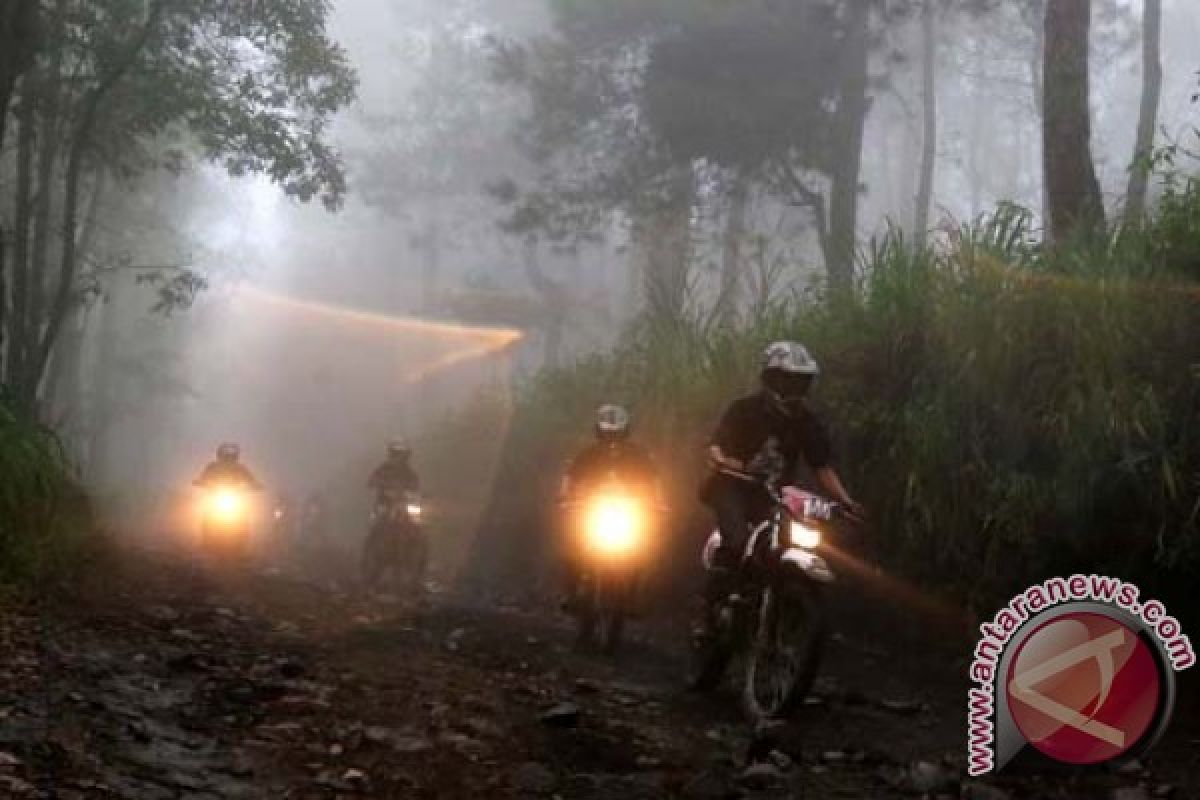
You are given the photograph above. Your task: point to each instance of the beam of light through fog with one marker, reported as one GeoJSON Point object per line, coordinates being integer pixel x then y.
{"type": "Point", "coordinates": [499, 337]}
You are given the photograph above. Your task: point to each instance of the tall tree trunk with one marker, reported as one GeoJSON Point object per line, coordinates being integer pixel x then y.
{"type": "Point", "coordinates": [929, 133]}
{"type": "Point", "coordinates": [846, 169]}
{"type": "Point", "coordinates": [663, 237]}
{"type": "Point", "coordinates": [554, 305]}
{"type": "Point", "coordinates": [1074, 192]}
{"type": "Point", "coordinates": [1152, 75]}
{"type": "Point", "coordinates": [81, 140]}
{"type": "Point", "coordinates": [732, 251]}
{"type": "Point", "coordinates": [20, 323]}
{"type": "Point", "coordinates": [20, 39]}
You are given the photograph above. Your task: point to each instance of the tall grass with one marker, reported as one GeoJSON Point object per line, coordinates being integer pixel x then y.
{"type": "Point", "coordinates": [44, 517]}
{"type": "Point", "coordinates": [1004, 410]}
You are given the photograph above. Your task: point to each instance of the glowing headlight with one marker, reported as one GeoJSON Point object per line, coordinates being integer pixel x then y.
{"type": "Point", "coordinates": [227, 505]}
{"type": "Point", "coordinates": [613, 525]}
{"type": "Point", "coordinates": [805, 537]}
{"type": "Point", "coordinates": [279, 513]}
{"type": "Point", "coordinates": [414, 510]}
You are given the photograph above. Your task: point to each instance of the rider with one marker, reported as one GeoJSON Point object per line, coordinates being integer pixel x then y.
{"type": "Point", "coordinates": [611, 454]}
{"type": "Point", "coordinates": [766, 435]}
{"type": "Point", "coordinates": [395, 474]}
{"type": "Point", "coordinates": [227, 469]}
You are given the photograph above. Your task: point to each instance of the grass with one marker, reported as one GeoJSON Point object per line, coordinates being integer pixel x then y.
{"type": "Point", "coordinates": [45, 525]}
{"type": "Point", "coordinates": [1005, 410]}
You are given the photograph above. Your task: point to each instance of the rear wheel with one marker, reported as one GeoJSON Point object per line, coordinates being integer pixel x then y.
{"type": "Point", "coordinates": [785, 651]}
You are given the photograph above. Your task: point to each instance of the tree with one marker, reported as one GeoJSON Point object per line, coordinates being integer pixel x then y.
{"type": "Point", "coordinates": [1072, 190]}
{"type": "Point", "coordinates": [123, 87]}
{"type": "Point", "coordinates": [1152, 76]}
{"type": "Point", "coordinates": [929, 118]}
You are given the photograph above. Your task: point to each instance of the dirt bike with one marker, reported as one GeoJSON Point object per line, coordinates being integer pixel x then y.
{"type": "Point", "coordinates": [225, 523]}
{"type": "Point", "coordinates": [611, 547]}
{"type": "Point", "coordinates": [773, 621]}
{"type": "Point", "coordinates": [396, 541]}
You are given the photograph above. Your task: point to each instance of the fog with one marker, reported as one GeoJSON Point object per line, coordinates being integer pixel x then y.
{"type": "Point", "coordinates": [322, 335]}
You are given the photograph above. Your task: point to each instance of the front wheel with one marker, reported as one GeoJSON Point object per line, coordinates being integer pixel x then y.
{"type": "Point", "coordinates": [785, 651]}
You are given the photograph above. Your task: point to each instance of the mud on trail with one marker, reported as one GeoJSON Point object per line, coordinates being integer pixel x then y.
{"type": "Point", "coordinates": [163, 680]}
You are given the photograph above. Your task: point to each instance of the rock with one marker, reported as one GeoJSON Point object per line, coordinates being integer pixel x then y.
{"type": "Point", "coordinates": [377, 734]}
{"type": "Point", "coordinates": [584, 686]}
{"type": "Point", "coordinates": [534, 778]}
{"type": "Point", "coordinates": [336, 749]}
{"type": "Point", "coordinates": [833, 756]}
{"type": "Point", "coordinates": [14, 786]}
{"type": "Point", "coordinates": [761, 776]}
{"type": "Point", "coordinates": [411, 744]}
{"type": "Point", "coordinates": [454, 640]}
{"type": "Point", "coordinates": [1131, 767]}
{"type": "Point", "coordinates": [781, 760]}
{"type": "Point", "coordinates": [8, 760]}
{"type": "Point", "coordinates": [648, 762]}
{"type": "Point", "coordinates": [1164, 790]}
{"type": "Point", "coordinates": [354, 776]}
{"type": "Point", "coordinates": [925, 777]}
{"type": "Point", "coordinates": [563, 715]}
{"type": "Point", "coordinates": [1130, 793]}
{"type": "Point", "coordinates": [982, 791]}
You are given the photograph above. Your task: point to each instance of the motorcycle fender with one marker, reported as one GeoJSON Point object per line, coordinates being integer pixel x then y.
{"type": "Point", "coordinates": [809, 563]}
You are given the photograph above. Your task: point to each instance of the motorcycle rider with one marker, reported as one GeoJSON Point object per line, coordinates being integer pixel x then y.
{"type": "Point", "coordinates": [395, 474]}
{"type": "Point", "coordinates": [227, 469]}
{"type": "Point", "coordinates": [766, 435]}
{"type": "Point", "coordinates": [612, 453]}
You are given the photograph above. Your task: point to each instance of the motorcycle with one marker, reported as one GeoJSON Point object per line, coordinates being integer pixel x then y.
{"type": "Point", "coordinates": [396, 541]}
{"type": "Point", "coordinates": [225, 523]}
{"type": "Point", "coordinates": [612, 545]}
{"type": "Point", "coordinates": [775, 620]}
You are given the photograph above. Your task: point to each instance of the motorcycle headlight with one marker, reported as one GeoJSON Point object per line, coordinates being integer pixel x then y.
{"type": "Point", "coordinates": [227, 505]}
{"type": "Point", "coordinates": [614, 525]}
{"type": "Point", "coordinates": [805, 537]}
{"type": "Point", "coordinates": [414, 510]}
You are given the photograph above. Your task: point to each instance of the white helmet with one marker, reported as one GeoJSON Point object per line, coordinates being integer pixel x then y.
{"type": "Point", "coordinates": [787, 373]}
{"type": "Point", "coordinates": [612, 422]}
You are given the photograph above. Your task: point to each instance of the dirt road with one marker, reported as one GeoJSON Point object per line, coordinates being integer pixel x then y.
{"type": "Point", "coordinates": [163, 680]}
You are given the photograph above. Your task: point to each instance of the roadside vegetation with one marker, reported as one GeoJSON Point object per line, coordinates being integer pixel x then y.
{"type": "Point", "coordinates": [46, 528]}
{"type": "Point", "coordinates": [1005, 410]}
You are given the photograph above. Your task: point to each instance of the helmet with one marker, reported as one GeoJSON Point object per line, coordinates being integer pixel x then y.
{"type": "Point", "coordinates": [228, 452]}
{"type": "Point", "coordinates": [399, 448]}
{"type": "Point", "coordinates": [787, 373]}
{"type": "Point", "coordinates": [612, 422]}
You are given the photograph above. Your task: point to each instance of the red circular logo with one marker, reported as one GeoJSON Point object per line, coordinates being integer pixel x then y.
{"type": "Point", "coordinates": [1083, 688]}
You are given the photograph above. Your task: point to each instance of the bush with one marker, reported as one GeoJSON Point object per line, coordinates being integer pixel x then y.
{"type": "Point", "coordinates": [44, 516]}
{"type": "Point", "coordinates": [1004, 411]}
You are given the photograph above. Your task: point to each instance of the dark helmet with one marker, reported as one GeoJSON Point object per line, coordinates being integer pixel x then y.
{"type": "Point", "coordinates": [787, 373]}
{"type": "Point", "coordinates": [229, 451]}
{"type": "Point", "coordinates": [612, 423]}
{"type": "Point", "coordinates": [398, 449]}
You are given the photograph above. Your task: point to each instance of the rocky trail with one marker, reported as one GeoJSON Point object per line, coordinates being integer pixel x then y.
{"type": "Point", "coordinates": [164, 680]}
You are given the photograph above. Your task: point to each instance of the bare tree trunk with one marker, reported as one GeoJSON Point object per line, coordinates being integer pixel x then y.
{"type": "Point", "coordinates": [554, 303]}
{"type": "Point", "coordinates": [846, 169]}
{"type": "Point", "coordinates": [1074, 192]}
{"type": "Point", "coordinates": [1152, 75]}
{"type": "Point", "coordinates": [663, 237]}
{"type": "Point", "coordinates": [20, 38]}
{"type": "Point", "coordinates": [930, 133]}
{"type": "Point", "coordinates": [20, 323]}
{"type": "Point", "coordinates": [80, 141]}
{"type": "Point", "coordinates": [731, 256]}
